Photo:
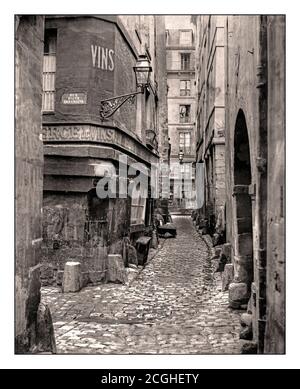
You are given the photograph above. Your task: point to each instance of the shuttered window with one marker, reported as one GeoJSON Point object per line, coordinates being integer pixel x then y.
{"type": "Point", "coordinates": [185, 61]}
{"type": "Point", "coordinates": [185, 142]}
{"type": "Point", "coordinates": [49, 70]}
{"type": "Point", "coordinates": [185, 37]}
{"type": "Point", "coordinates": [138, 206]}
{"type": "Point", "coordinates": [185, 88]}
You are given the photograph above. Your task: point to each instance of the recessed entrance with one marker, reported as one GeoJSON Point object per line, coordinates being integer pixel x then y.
{"type": "Point", "coordinates": [96, 218]}
{"type": "Point", "coordinates": [243, 248]}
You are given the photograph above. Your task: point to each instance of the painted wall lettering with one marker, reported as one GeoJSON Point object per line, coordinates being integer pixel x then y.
{"type": "Point", "coordinates": [102, 58]}
{"type": "Point", "coordinates": [74, 133]}
{"type": "Point", "coordinates": [90, 133]}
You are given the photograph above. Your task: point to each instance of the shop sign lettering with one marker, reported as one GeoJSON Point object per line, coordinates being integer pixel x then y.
{"type": "Point", "coordinates": [78, 133]}
{"type": "Point", "coordinates": [103, 58]}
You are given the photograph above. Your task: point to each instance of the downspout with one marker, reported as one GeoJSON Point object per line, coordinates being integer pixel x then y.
{"type": "Point", "coordinates": [261, 190]}
{"type": "Point", "coordinates": [204, 148]}
{"type": "Point", "coordinates": [227, 130]}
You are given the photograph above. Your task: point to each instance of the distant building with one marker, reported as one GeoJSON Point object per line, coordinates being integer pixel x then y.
{"type": "Point", "coordinates": [240, 72]}
{"type": "Point", "coordinates": [180, 46]}
{"type": "Point", "coordinates": [88, 59]}
{"type": "Point", "coordinates": [210, 116]}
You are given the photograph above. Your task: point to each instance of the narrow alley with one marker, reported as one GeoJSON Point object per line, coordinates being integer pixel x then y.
{"type": "Point", "coordinates": [174, 306]}
{"type": "Point", "coordinates": [130, 128]}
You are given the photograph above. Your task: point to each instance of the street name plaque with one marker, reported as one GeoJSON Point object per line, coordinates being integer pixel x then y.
{"type": "Point", "coordinates": [74, 98]}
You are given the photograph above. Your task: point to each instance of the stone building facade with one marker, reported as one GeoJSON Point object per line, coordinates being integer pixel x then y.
{"type": "Point", "coordinates": [32, 333]}
{"type": "Point", "coordinates": [252, 73]}
{"type": "Point", "coordinates": [210, 118]}
{"type": "Point", "coordinates": [180, 53]}
{"type": "Point", "coordinates": [88, 59]}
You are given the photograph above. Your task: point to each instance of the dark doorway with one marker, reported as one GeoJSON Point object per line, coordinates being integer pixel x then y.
{"type": "Point", "coordinates": [96, 218]}
{"type": "Point", "coordinates": [243, 204]}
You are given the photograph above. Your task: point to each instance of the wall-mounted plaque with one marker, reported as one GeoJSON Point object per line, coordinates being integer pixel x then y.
{"type": "Point", "coordinates": [74, 98]}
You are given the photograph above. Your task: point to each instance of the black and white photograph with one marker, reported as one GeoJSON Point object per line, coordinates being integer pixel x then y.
{"type": "Point", "coordinates": [150, 184]}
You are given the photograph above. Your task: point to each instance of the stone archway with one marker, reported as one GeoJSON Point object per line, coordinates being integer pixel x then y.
{"type": "Point", "coordinates": [239, 291]}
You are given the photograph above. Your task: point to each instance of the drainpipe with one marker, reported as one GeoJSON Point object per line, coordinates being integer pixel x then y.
{"type": "Point", "coordinates": [261, 182]}
{"type": "Point", "coordinates": [204, 149]}
{"type": "Point", "coordinates": [227, 129]}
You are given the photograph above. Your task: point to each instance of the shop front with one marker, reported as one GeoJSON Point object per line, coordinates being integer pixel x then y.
{"type": "Point", "coordinates": [93, 61]}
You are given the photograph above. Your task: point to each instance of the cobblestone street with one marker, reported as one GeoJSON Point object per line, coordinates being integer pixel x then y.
{"type": "Point", "coordinates": [149, 209]}
{"type": "Point", "coordinates": [174, 306]}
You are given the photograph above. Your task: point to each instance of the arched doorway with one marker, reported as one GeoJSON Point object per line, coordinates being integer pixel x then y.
{"type": "Point", "coordinates": [243, 242]}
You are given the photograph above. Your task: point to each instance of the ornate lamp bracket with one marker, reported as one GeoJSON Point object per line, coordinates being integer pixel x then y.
{"type": "Point", "coordinates": [109, 106]}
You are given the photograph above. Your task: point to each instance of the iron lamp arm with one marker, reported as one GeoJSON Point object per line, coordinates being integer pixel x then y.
{"type": "Point", "coordinates": [109, 106]}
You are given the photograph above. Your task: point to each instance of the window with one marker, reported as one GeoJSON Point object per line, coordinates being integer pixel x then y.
{"type": "Point", "coordinates": [185, 61]}
{"type": "Point", "coordinates": [185, 142]}
{"type": "Point", "coordinates": [186, 169]}
{"type": "Point", "coordinates": [185, 87]}
{"type": "Point", "coordinates": [138, 206]}
{"type": "Point", "coordinates": [184, 113]}
{"type": "Point", "coordinates": [49, 69]}
{"type": "Point", "coordinates": [185, 37]}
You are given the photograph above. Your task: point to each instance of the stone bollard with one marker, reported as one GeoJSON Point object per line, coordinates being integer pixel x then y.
{"type": "Point", "coordinates": [227, 276]}
{"type": "Point", "coordinates": [238, 294]}
{"type": "Point", "coordinates": [44, 330]}
{"type": "Point", "coordinates": [72, 277]}
{"type": "Point", "coordinates": [246, 320]}
{"type": "Point", "coordinates": [115, 269]}
{"type": "Point", "coordinates": [154, 241]}
{"type": "Point", "coordinates": [246, 326]}
{"type": "Point", "coordinates": [226, 250]}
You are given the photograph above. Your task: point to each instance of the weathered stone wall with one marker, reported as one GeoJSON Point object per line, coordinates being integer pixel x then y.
{"type": "Point", "coordinates": [79, 70]}
{"type": "Point", "coordinates": [275, 328]}
{"type": "Point", "coordinates": [65, 230]}
{"type": "Point", "coordinates": [77, 73]}
{"type": "Point", "coordinates": [124, 80]}
{"type": "Point", "coordinates": [70, 169]}
{"type": "Point", "coordinates": [242, 59]}
{"type": "Point", "coordinates": [253, 184]}
{"type": "Point", "coordinates": [210, 116]}
{"type": "Point", "coordinates": [163, 141]}
{"type": "Point", "coordinates": [69, 233]}
{"type": "Point", "coordinates": [119, 223]}
{"type": "Point", "coordinates": [219, 176]}
{"type": "Point", "coordinates": [242, 99]}
{"type": "Point", "coordinates": [29, 178]}
{"type": "Point", "coordinates": [255, 79]}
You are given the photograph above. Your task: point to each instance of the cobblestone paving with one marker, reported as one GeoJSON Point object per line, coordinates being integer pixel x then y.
{"type": "Point", "coordinates": [174, 306]}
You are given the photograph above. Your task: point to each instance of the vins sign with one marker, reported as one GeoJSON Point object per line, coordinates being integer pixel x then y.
{"type": "Point", "coordinates": [103, 58]}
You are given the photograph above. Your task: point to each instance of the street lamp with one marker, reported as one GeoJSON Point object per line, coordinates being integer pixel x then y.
{"type": "Point", "coordinates": [180, 156]}
{"type": "Point", "coordinates": [142, 71]}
